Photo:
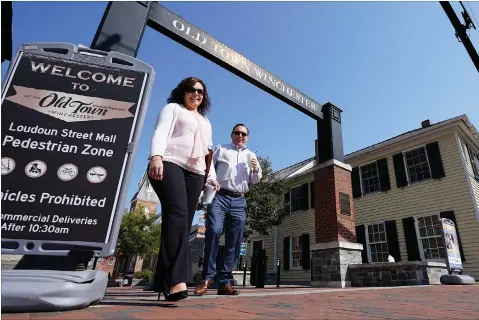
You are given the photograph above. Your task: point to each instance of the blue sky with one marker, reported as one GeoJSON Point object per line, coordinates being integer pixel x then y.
{"type": "Point", "coordinates": [388, 65]}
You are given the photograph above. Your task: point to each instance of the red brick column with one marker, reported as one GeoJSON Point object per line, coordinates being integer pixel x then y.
{"type": "Point", "coordinates": [331, 179]}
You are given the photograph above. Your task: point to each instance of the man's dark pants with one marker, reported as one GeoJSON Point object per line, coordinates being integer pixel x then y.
{"type": "Point", "coordinates": [229, 212]}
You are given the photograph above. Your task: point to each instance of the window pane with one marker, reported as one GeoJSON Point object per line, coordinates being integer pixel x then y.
{"type": "Point", "coordinates": [420, 222]}
{"type": "Point", "coordinates": [425, 244]}
{"type": "Point", "coordinates": [384, 247]}
{"type": "Point", "coordinates": [430, 231]}
{"type": "Point", "coordinates": [376, 237]}
{"type": "Point", "coordinates": [370, 229]}
{"type": "Point", "coordinates": [385, 257]}
{"type": "Point", "coordinates": [422, 232]}
{"type": "Point", "coordinates": [432, 243]}
{"type": "Point", "coordinates": [382, 237]}
{"type": "Point", "coordinates": [371, 238]}
{"type": "Point", "coordinates": [427, 254]}
{"type": "Point", "coordinates": [381, 227]}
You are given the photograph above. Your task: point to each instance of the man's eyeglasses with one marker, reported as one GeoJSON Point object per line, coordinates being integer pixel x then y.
{"type": "Point", "coordinates": [237, 133]}
{"type": "Point", "coordinates": [192, 89]}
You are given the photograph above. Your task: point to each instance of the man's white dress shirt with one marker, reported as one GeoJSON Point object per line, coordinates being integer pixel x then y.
{"type": "Point", "coordinates": [233, 172]}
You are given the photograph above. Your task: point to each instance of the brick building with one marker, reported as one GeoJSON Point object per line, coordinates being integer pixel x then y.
{"type": "Point", "coordinates": [400, 187]}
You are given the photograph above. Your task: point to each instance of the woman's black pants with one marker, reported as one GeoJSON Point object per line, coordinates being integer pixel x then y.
{"type": "Point", "coordinates": [179, 192]}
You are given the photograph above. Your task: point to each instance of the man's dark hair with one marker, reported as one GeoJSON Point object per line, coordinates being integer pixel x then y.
{"type": "Point", "coordinates": [238, 125]}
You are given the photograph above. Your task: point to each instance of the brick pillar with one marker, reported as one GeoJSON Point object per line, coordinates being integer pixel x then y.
{"type": "Point", "coordinates": [331, 224]}
{"type": "Point", "coordinates": [335, 227]}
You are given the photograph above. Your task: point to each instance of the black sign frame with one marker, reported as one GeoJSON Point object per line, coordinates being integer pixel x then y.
{"type": "Point", "coordinates": [134, 110]}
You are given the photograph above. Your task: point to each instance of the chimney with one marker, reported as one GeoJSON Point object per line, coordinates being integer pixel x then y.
{"type": "Point", "coordinates": [426, 123]}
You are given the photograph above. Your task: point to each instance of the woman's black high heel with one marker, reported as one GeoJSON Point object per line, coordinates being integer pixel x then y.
{"type": "Point", "coordinates": [177, 296]}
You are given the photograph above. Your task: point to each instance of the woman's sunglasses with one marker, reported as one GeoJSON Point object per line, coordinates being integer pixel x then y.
{"type": "Point", "coordinates": [243, 134]}
{"type": "Point", "coordinates": [192, 90]}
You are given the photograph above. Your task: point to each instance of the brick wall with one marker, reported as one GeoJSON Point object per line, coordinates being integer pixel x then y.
{"type": "Point", "coordinates": [330, 224]}
{"type": "Point", "coordinates": [151, 205]}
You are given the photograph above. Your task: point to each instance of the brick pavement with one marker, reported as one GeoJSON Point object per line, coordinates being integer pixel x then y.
{"type": "Point", "coordinates": [425, 302]}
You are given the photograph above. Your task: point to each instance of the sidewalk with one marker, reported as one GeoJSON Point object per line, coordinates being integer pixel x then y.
{"type": "Point", "coordinates": [425, 302]}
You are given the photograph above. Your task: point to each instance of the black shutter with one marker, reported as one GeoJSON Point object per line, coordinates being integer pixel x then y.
{"type": "Point", "coordinates": [305, 248]}
{"type": "Point", "coordinates": [435, 161]}
{"type": "Point", "coordinates": [304, 194]}
{"type": "Point", "coordinates": [411, 239]}
{"type": "Point", "coordinates": [383, 172]}
{"type": "Point", "coordinates": [451, 216]}
{"type": "Point", "coordinates": [400, 170]}
{"type": "Point", "coordinates": [286, 253]}
{"type": "Point", "coordinates": [356, 181]}
{"type": "Point", "coordinates": [361, 238]}
{"type": "Point", "coordinates": [311, 195]}
{"type": "Point", "coordinates": [287, 202]}
{"type": "Point", "coordinates": [392, 239]}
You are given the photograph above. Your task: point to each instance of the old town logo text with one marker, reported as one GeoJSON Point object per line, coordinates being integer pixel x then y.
{"type": "Point", "coordinates": [70, 107]}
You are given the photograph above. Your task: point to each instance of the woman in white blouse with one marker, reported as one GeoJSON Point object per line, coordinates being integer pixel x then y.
{"type": "Point", "coordinates": [180, 149]}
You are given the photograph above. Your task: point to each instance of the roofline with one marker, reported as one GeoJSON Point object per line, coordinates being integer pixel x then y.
{"type": "Point", "coordinates": [413, 134]}
{"type": "Point", "coordinates": [391, 141]}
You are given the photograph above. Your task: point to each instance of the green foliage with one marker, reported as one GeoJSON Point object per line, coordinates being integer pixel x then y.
{"type": "Point", "coordinates": [144, 274]}
{"type": "Point", "coordinates": [265, 201]}
{"type": "Point", "coordinates": [139, 234]}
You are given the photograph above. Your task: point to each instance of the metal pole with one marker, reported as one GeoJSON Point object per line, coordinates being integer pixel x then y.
{"type": "Point", "coordinates": [278, 276]}
{"type": "Point", "coordinates": [461, 32]}
{"type": "Point", "coordinates": [122, 26]}
{"type": "Point", "coordinates": [244, 274]}
{"type": "Point", "coordinates": [311, 268]}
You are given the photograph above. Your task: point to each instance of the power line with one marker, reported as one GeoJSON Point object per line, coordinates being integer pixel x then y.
{"type": "Point", "coordinates": [472, 12]}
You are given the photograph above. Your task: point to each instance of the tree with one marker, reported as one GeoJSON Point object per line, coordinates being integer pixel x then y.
{"type": "Point", "coordinates": [265, 201]}
{"type": "Point", "coordinates": [139, 234]}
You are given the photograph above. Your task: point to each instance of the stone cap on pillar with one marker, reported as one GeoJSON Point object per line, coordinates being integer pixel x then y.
{"type": "Point", "coordinates": [335, 162]}
{"type": "Point", "coordinates": [336, 244]}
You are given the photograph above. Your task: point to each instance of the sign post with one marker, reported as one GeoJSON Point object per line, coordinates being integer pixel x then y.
{"type": "Point", "coordinates": [71, 118]}
{"type": "Point", "coordinates": [451, 247]}
{"type": "Point", "coordinates": [452, 255]}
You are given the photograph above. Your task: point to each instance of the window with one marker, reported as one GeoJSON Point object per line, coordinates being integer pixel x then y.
{"type": "Point", "coordinates": [417, 165]}
{"type": "Point", "coordinates": [370, 178]}
{"type": "Point", "coordinates": [377, 243]}
{"type": "Point", "coordinates": [474, 160]}
{"type": "Point", "coordinates": [149, 191]}
{"type": "Point", "coordinates": [300, 197]}
{"type": "Point", "coordinates": [296, 252]}
{"type": "Point", "coordinates": [430, 237]}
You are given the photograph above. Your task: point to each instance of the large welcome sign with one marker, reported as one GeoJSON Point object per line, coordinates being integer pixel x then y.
{"type": "Point", "coordinates": [68, 131]}
{"type": "Point", "coordinates": [199, 41]}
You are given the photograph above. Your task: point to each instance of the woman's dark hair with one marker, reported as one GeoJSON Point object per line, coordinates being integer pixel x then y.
{"type": "Point", "coordinates": [178, 94]}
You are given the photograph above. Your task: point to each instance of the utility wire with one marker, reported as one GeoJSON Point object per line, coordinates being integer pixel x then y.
{"type": "Point", "coordinates": [475, 20]}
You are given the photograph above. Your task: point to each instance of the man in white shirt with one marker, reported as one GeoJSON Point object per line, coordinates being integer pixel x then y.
{"type": "Point", "coordinates": [236, 168]}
